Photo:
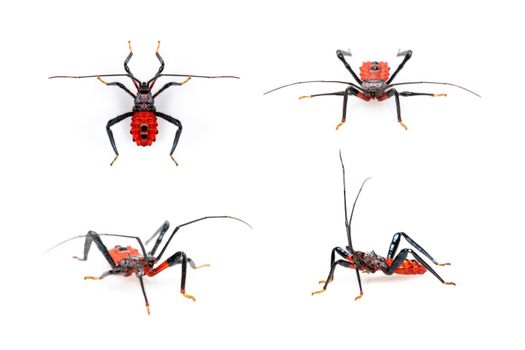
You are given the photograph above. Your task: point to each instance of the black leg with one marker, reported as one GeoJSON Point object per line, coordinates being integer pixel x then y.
{"type": "Point", "coordinates": [92, 236]}
{"type": "Point", "coordinates": [392, 249]}
{"type": "Point", "coordinates": [350, 91]}
{"type": "Point", "coordinates": [139, 276]}
{"type": "Point", "coordinates": [191, 263]}
{"type": "Point", "coordinates": [104, 275]}
{"type": "Point", "coordinates": [110, 133]}
{"type": "Point", "coordinates": [178, 124]}
{"type": "Point", "coordinates": [177, 258]}
{"type": "Point", "coordinates": [341, 55]}
{"type": "Point", "coordinates": [161, 231]}
{"type": "Point", "coordinates": [407, 54]}
{"type": "Point", "coordinates": [159, 57]}
{"type": "Point", "coordinates": [120, 85]}
{"type": "Point", "coordinates": [393, 92]}
{"type": "Point", "coordinates": [343, 253]}
{"type": "Point", "coordinates": [401, 257]}
{"type": "Point", "coordinates": [170, 84]}
{"type": "Point", "coordinates": [126, 61]}
{"type": "Point", "coordinates": [330, 277]}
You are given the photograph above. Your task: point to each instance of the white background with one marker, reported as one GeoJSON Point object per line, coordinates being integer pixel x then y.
{"type": "Point", "coordinates": [453, 181]}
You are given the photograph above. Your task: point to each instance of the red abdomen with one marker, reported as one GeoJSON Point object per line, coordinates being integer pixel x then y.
{"type": "Point", "coordinates": [144, 128]}
{"type": "Point", "coordinates": [408, 267]}
{"type": "Point", "coordinates": [374, 71]}
{"type": "Point", "coordinates": [119, 253]}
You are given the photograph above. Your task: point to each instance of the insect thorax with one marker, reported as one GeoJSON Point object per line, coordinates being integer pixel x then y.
{"type": "Point", "coordinates": [371, 261]}
{"type": "Point", "coordinates": [144, 102]}
{"type": "Point", "coordinates": [373, 85]}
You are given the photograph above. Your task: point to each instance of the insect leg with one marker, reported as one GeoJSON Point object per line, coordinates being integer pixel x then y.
{"type": "Point", "coordinates": [342, 253]}
{"type": "Point", "coordinates": [139, 276]}
{"type": "Point", "coordinates": [341, 55]}
{"type": "Point", "coordinates": [330, 277]}
{"type": "Point", "coordinates": [120, 85]}
{"type": "Point", "coordinates": [170, 84]}
{"type": "Point", "coordinates": [177, 258]}
{"type": "Point", "coordinates": [393, 92]}
{"type": "Point", "coordinates": [401, 257]}
{"type": "Point", "coordinates": [92, 236]}
{"type": "Point", "coordinates": [110, 133]}
{"type": "Point", "coordinates": [395, 243]}
{"type": "Point", "coordinates": [178, 124]}
{"type": "Point", "coordinates": [407, 54]}
{"type": "Point", "coordinates": [128, 58]}
{"type": "Point", "coordinates": [104, 275]}
{"type": "Point", "coordinates": [350, 91]}
{"type": "Point", "coordinates": [161, 231]}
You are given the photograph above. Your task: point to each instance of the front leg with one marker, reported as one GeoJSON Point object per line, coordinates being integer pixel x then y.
{"type": "Point", "coordinates": [91, 237]}
{"type": "Point", "coordinates": [178, 124]}
{"type": "Point", "coordinates": [341, 55]}
{"type": "Point", "coordinates": [110, 133]}
{"type": "Point", "coordinates": [407, 54]}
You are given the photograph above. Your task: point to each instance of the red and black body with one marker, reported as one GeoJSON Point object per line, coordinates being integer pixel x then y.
{"type": "Point", "coordinates": [374, 82]}
{"type": "Point", "coordinates": [127, 260]}
{"type": "Point", "coordinates": [372, 262]}
{"type": "Point", "coordinates": [144, 126]}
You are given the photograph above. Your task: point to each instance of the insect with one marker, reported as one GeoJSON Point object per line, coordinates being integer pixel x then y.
{"type": "Point", "coordinates": [374, 82]}
{"type": "Point", "coordinates": [371, 262]}
{"type": "Point", "coordinates": [144, 127]}
{"type": "Point", "coordinates": [126, 260]}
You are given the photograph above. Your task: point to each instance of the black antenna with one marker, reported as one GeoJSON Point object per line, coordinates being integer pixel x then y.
{"type": "Point", "coordinates": [348, 222]}
{"type": "Point", "coordinates": [94, 76]}
{"type": "Point", "coordinates": [194, 221]}
{"type": "Point", "coordinates": [430, 82]}
{"type": "Point", "coordinates": [315, 81]}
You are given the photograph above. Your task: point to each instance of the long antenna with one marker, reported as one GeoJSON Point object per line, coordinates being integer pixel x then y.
{"type": "Point", "coordinates": [315, 81]}
{"type": "Point", "coordinates": [431, 82]}
{"type": "Point", "coordinates": [194, 221]}
{"type": "Point", "coordinates": [348, 222]}
{"type": "Point", "coordinates": [94, 76]}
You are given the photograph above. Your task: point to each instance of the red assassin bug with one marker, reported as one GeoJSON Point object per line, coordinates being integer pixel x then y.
{"type": "Point", "coordinates": [371, 262]}
{"type": "Point", "coordinates": [374, 83]}
{"type": "Point", "coordinates": [144, 115]}
{"type": "Point", "coordinates": [127, 260]}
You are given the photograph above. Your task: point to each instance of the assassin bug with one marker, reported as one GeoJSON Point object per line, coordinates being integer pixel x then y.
{"type": "Point", "coordinates": [373, 83]}
{"type": "Point", "coordinates": [144, 115]}
{"type": "Point", "coordinates": [371, 262]}
{"type": "Point", "coordinates": [126, 260]}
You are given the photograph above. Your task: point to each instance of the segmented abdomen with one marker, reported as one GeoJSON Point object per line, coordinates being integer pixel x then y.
{"type": "Point", "coordinates": [408, 267]}
{"type": "Point", "coordinates": [381, 73]}
{"type": "Point", "coordinates": [144, 128]}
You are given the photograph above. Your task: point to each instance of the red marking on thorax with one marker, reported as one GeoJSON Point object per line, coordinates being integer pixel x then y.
{"type": "Point", "coordinates": [408, 267]}
{"type": "Point", "coordinates": [119, 253]}
{"type": "Point", "coordinates": [144, 128]}
{"type": "Point", "coordinates": [381, 74]}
